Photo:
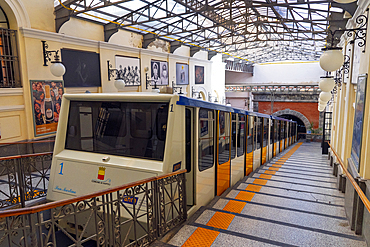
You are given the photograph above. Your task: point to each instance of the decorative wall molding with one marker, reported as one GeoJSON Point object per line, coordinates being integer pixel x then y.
{"type": "Point", "coordinates": [286, 97]}
{"type": "Point", "coordinates": [19, 12]}
{"type": "Point", "coordinates": [57, 37]}
{"type": "Point", "coordinates": [11, 108]}
{"type": "Point", "coordinates": [111, 46]}
{"type": "Point", "coordinates": [66, 39]}
{"type": "Point", "coordinates": [11, 91]}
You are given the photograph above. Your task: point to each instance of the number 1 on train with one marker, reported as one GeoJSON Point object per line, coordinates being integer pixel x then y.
{"type": "Point", "coordinates": [61, 169]}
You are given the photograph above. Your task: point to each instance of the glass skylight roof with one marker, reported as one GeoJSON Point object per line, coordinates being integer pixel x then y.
{"type": "Point", "coordinates": [258, 31]}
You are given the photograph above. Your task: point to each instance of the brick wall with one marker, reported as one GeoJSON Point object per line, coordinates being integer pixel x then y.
{"type": "Point", "coordinates": [309, 110]}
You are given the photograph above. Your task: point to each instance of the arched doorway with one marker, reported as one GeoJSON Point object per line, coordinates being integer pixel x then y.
{"type": "Point", "coordinates": [303, 123]}
{"type": "Point", "coordinates": [301, 128]}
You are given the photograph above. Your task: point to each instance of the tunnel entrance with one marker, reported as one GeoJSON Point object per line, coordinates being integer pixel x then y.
{"type": "Point", "coordinates": [301, 128]}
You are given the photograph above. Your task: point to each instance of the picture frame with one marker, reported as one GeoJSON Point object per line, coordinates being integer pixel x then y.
{"type": "Point", "coordinates": [199, 74]}
{"type": "Point", "coordinates": [82, 68]}
{"type": "Point", "coordinates": [358, 120]}
{"type": "Point", "coordinates": [129, 69]}
{"type": "Point", "coordinates": [159, 73]}
{"type": "Point", "coordinates": [46, 97]}
{"type": "Point", "coordinates": [182, 74]}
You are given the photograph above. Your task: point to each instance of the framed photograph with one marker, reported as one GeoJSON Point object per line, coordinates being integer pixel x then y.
{"type": "Point", "coordinates": [46, 101]}
{"type": "Point", "coordinates": [82, 68]}
{"type": "Point", "coordinates": [199, 74]}
{"type": "Point", "coordinates": [129, 67]}
{"type": "Point", "coordinates": [159, 73]}
{"type": "Point", "coordinates": [358, 120]}
{"type": "Point", "coordinates": [182, 74]}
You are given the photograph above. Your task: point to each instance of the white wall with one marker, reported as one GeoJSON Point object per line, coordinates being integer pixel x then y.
{"type": "Point", "coordinates": [270, 73]}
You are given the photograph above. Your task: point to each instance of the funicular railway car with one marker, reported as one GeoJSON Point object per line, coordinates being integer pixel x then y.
{"type": "Point", "coordinates": [107, 140]}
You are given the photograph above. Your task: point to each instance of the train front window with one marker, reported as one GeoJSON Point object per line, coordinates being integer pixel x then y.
{"type": "Point", "coordinates": [118, 128]}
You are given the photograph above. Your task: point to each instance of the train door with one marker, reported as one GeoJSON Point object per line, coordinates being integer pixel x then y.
{"type": "Point", "coordinates": [272, 139]}
{"type": "Point", "coordinates": [237, 147]}
{"type": "Point", "coordinates": [281, 136]}
{"type": "Point", "coordinates": [249, 146]}
{"type": "Point", "coordinates": [286, 134]}
{"type": "Point", "coordinates": [258, 136]}
{"type": "Point", "coordinates": [223, 152]}
{"type": "Point", "coordinates": [189, 154]}
{"type": "Point", "coordinates": [264, 140]}
{"type": "Point", "coordinates": [205, 180]}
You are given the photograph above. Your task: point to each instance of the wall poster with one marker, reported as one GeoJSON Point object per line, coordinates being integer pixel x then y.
{"type": "Point", "coordinates": [82, 68]}
{"type": "Point", "coordinates": [129, 69]}
{"type": "Point", "coordinates": [199, 74]}
{"type": "Point", "coordinates": [46, 102]}
{"type": "Point", "coordinates": [182, 74]}
{"type": "Point", "coordinates": [159, 73]}
{"type": "Point", "coordinates": [358, 120]}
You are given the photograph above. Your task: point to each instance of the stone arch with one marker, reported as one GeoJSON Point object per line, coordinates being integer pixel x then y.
{"type": "Point", "coordinates": [19, 12]}
{"type": "Point", "coordinates": [296, 114]}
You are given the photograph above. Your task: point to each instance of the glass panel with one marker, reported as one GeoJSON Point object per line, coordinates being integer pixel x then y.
{"type": "Point", "coordinates": [206, 132]}
{"type": "Point", "coordinates": [265, 131]}
{"type": "Point", "coordinates": [259, 133]}
{"type": "Point", "coordinates": [224, 137]}
{"type": "Point", "coordinates": [241, 135]}
{"type": "Point", "coordinates": [233, 136]}
{"type": "Point", "coordinates": [250, 134]}
{"type": "Point", "coordinates": [118, 128]}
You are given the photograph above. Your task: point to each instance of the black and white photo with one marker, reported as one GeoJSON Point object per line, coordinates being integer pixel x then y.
{"type": "Point", "coordinates": [159, 73]}
{"type": "Point", "coordinates": [129, 69]}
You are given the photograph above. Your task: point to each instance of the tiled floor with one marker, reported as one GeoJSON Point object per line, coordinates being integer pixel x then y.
{"type": "Point", "coordinates": [291, 201]}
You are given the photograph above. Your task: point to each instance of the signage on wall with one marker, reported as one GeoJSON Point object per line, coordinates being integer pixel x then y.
{"type": "Point", "coordinates": [46, 102]}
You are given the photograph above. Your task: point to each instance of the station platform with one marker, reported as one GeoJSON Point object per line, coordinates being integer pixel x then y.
{"type": "Point", "coordinates": [290, 201]}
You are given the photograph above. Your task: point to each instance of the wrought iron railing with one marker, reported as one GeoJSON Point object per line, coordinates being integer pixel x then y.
{"type": "Point", "coordinates": [135, 214]}
{"type": "Point", "coordinates": [23, 178]}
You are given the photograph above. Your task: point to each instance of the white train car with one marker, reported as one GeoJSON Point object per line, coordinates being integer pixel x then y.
{"type": "Point", "coordinates": [107, 140]}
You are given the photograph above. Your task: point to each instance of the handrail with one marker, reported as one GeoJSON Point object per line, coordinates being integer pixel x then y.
{"type": "Point", "coordinates": [30, 142]}
{"type": "Point", "coordinates": [50, 205]}
{"type": "Point", "coordinates": [353, 182]}
{"type": "Point", "coordinates": [24, 156]}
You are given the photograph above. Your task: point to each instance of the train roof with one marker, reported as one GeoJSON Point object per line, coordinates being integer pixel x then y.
{"type": "Point", "coordinates": [183, 100]}
{"type": "Point", "coordinates": [186, 101]}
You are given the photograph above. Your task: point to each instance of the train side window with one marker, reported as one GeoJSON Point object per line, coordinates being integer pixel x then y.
{"type": "Point", "coordinates": [272, 131]}
{"type": "Point", "coordinates": [265, 131]}
{"type": "Point", "coordinates": [250, 134]}
{"type": "Point", "coordinates": [223, 137]}
{"type": "Point", "coordinates": [234, 136]}
{"type": "Point", "coordinates": [241, 136]}
{"type": "Point", "coordinates": [259, 133]}
{"type": "Point", "coordinates": [206, 139]}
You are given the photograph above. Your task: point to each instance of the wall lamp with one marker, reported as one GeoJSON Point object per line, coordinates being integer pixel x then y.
{"type": "Point", "coordinates": [332, 58]}
{"type": "Point", "coordinates": [193, 93]}
{"type": "Point", "coordinates": [174, 88]}
{"type": "Point", "coordinates": [57, 68]}
{"type": "Point", "coordinates": [149, 81]}
{"type": "Point", "coordinates": [119, 83]}
{"type": "Point", "coordinates": [210, 98]}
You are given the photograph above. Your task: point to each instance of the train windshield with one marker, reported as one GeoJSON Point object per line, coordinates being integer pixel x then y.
{"type": "Point", "coordinates": [118, 128]}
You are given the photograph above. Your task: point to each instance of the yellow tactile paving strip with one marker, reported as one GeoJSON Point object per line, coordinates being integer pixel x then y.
{"type": "Point", "coordinates": [221, 220]}
{"type": "Point", "coordinates": [235, 206]}
{"type": "Point", "coordinates": [252, 187]}
{"type": "Point", "coordinates": [205, 237]}
{"type": "Point", "coordinates": [245, 196]}
{"type": "Point", "coordinates": [201, 237]}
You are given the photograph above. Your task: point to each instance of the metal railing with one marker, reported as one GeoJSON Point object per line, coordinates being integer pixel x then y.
{"type": "Point", "coordinates": [360, 193]}
{"type": "Point", "coordinates": [134, 214]}
{"type": "Point", "coordinates": [23, 178]}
